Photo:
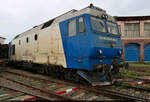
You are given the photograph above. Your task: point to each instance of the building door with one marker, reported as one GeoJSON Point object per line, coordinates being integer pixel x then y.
{"type": "Point", "coordinates": [132, 53]}
{"type": "Point", "coordinates": [147, 52]}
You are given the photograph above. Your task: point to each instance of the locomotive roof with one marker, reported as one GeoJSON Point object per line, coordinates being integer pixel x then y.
{"type": "Point", "coordinates": [2, 38]}
{"type": "Point", "coordinates": [93, 10]}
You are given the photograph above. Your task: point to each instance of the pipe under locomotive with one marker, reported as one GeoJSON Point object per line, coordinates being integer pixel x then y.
{"type": "Point", "coordinates": [83, 44]}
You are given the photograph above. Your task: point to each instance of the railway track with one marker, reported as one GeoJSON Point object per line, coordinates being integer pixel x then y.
{"type": "Point", "coordinates": [82, 90]}
{"type": "Point", "coordinates": [12, 83]}
{"type": "Point", "coordinates": [60, 89]}
{"type": "Point", "coordinates": [24, 88]}
{"type": "Point", "coordinates": [10, 95]}
{"type": "Point", "coordinates": [137, 87]}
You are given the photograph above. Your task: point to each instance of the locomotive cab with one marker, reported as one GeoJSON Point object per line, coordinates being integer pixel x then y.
{"type": "Point", "coordinates": [91, 44]}
{"type": "Point", "coordinates": [106, 40]}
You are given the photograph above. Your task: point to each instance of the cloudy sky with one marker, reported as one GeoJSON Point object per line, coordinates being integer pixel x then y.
{"type": "Point", "coordinates": [16, 16]}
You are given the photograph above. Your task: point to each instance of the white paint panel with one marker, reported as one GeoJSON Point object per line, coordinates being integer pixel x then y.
{"type": "Point", "coordinates": [48, 49]}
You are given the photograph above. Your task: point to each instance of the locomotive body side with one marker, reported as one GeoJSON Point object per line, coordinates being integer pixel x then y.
{"type": "Point", "coordinates": [45, 49]}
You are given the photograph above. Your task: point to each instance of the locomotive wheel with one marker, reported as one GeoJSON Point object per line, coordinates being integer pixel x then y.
{"type": "Point", "coordinates": [58, 72]}
{"type": "Point", "coordinates": [76, 78]}
{"type": "Point", "coordinates": [41, 70]}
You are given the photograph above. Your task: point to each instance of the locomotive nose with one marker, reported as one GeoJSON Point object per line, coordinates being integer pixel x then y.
{"type": "Point", "coordinates": [98, 77]}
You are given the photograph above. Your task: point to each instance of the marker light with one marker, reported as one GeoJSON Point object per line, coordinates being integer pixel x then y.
{"type": "Point", "coordinates": [120, 52]}
{"type": "Point", "coordinates": [100, 51]}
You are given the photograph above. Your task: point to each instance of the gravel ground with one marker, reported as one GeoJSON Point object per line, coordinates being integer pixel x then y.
{"type": "Point", "coordinates": [19, 98]}
{"type": "Point", "coordinates": [133, 92]}
{"type": "Point", "coordinates": [5, 91]}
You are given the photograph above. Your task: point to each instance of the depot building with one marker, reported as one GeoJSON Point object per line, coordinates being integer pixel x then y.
{"type": "Point", "coordinates": [135, 32]}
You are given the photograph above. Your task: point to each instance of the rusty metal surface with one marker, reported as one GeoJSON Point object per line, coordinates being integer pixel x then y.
{"type": "Point", "coordinates": [22, 87]}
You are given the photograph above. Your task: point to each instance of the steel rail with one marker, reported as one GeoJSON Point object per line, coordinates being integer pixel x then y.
{"type": "Point", "coordinates": [5, 98]}
{"type": "Point", "coordinates": [49, 93]}
{"type": "Point", "coordinates": [136, 87]}
{"type": "Point", "coordinates": [122, 95]}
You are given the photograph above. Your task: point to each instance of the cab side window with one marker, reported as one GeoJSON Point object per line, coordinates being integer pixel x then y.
{"type": "Point", "coordinates": [81, 25]}
{"type": "Point", "coordinates": [72, 28]}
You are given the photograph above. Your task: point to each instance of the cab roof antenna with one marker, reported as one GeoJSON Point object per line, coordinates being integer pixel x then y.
{"type": "Point", "coordinates": [91, 5]}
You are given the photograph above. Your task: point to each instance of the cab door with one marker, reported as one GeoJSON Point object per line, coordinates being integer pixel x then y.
{"type": "Point", "coordinates": [76, 41]}
{"type": "Point", "coordinates": [76, 35]}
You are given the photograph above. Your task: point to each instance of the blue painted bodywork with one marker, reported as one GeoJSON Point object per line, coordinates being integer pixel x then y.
{"type": "Point", "coordinates": [132, 52]}
{"type": "Point", "coordinates": [146, 52]}
{"type": "Point", "coordinates": [82, 51]}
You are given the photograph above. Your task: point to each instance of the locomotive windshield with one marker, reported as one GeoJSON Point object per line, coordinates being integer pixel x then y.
{"type": "Point", "coordinates": [100, 26]}
{"type": "Point", "coordinates": [112, 28]}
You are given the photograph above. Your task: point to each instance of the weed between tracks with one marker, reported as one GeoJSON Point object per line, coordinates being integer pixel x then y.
{"type": "Point", "coordinates": [129, 74]}
{"type": "Point", "coordinates": [133, 74]}
{"type": "Point", "coordinates": [140, 64]}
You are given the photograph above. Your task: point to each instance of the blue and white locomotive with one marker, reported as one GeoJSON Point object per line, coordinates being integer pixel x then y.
{"type": "Point", "coordinates": [85, 43]}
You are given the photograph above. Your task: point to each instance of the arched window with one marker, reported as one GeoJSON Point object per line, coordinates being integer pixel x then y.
{"type": "Point", "coordinates": [35, 37]}
{"type": "Point", "coordinates": [13, 49]}
{"type": "Point", "coordinates": [27, 39]}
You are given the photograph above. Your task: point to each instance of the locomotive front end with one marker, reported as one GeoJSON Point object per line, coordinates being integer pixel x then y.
{"type": "Point", "coordinates": [92, 45]}
{"type": "Point", "coordinates": [105, 54]}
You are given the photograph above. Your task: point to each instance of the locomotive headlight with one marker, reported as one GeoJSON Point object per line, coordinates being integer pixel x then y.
{"type": "Point", "coordinates": [120, 52]}
{"type": "Point", "coordinates": [100, 51]}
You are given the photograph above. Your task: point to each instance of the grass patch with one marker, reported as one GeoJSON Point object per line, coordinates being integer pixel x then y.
{"type": "Point", "coordinates": [132, 74]}
{"type": "Point", "coordinates": [139, 64]}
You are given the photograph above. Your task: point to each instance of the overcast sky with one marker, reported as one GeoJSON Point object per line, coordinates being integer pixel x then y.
{"type": "Point", "coordinates": [16, 16]}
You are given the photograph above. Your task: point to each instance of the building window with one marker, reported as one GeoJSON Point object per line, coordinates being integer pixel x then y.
{"type": "Point", "coordinates": [19, 42]}
{"type": "Point", "coordinates": [35, 37]}
{"type": "Point", "coordinates": [132, 30]}
{"type": "Point", "coordinates": [146, 29]}
{"type": "Point", "coordinates": [27, 39]}
{"type": "Point", "coordinates": [81, 25]}
{"type": "Point", "coordinates": [72, 28]}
